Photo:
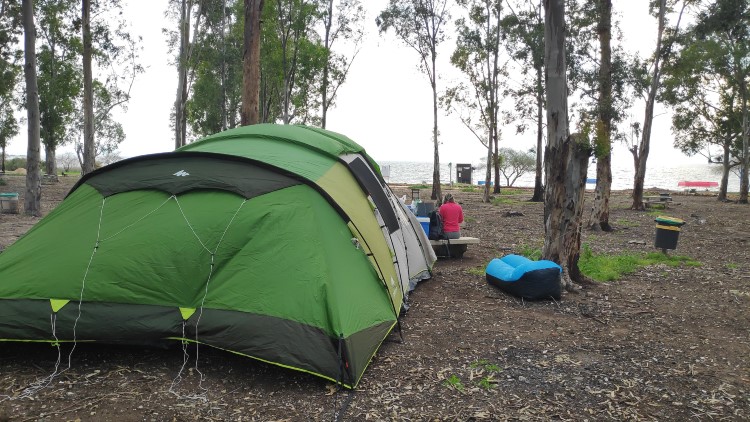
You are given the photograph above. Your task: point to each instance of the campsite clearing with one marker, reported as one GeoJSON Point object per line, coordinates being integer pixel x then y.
{"type": "Point", "coordinates": [664, 343]}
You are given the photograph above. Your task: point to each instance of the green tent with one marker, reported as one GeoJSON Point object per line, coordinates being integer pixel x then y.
{"type": "Point", "coordinates": [281, 243]}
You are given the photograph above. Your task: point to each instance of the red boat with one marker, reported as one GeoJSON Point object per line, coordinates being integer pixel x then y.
{"type": "Point", "coordinates": [691, 184]}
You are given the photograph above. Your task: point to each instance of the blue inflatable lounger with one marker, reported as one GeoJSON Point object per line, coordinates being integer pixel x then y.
{"type": "Point", "coordinates": [522, 277]}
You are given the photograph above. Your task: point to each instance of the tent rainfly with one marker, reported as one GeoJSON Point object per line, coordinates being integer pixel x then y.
{"type": "Point", "coordinates": [280, 243]}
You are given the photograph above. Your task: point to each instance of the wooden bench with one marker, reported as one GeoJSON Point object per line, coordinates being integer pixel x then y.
{"type": "Point", "coordinates": [452, 248]}
{"type": "Point", "coordinates": [663, 199]}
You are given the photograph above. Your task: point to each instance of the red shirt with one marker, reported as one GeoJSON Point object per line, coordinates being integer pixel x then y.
{"type": "Point", "coordinates": [452, 215]}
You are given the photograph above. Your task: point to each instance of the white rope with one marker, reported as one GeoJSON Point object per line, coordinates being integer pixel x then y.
{"type": "Point", "coordinates": [190, 225]}
{"type": "Point", "coordinates": [43, 383]}
{"type": "Point", "coordinates": [138, 220]}
{"type": "Point", "coordinates": [178, 378]}
{"type": "Point", "coordinates": [185, 356]}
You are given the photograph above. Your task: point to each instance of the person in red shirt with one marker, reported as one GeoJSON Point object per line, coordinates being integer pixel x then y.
{"type": "Point", "coordinates": [452, 215]}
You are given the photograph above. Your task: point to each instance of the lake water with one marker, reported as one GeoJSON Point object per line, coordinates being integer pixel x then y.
{"type": "Point", "coordinates": [661, 175]}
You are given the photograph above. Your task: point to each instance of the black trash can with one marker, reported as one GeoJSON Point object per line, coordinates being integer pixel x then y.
{"type": "Point", "coordinates": [667, 232]}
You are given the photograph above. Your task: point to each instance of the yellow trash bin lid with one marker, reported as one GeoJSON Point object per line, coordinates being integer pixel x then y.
{"type": "Point", "coordinates": [669, 221]}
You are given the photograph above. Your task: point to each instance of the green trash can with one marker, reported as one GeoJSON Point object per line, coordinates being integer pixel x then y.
{"type": "Point", "coordinates": [667, 232]}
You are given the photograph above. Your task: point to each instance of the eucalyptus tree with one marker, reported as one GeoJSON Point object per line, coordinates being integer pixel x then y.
{"type": "Point", "coordinates": [722, 31]}
{"type": "Point", "coordinates": [566, 157]}
{"type": "Point", "coordinates": [515, 163]}
{"type": "Point", "coordinates": [599, 215]}
{"type": "Point", "coordinates": [184, 11]}
{"type": "Point", "coordinates": [251, 67]}
{"type": "Point", "coordinates": [33, 197]}
{"type": "Point", "coordinates": [8, 128]}
{"type": "Point", "coordinates": [477, 56]}
{"type": "Point", "coordinates": [10, 69]}
{"type": "Point", "coordinates": [662, 52]}
{"type": "Point", "coordinates": [342, 22]}
{"type": "Point", "coordinates": [109, 46]}
{"type": "Point", "coordinates": [522, 32]}
{"type": "Point", "coordinates": [703, 120]}
{"type": "Point", "coordinates": [302, 55]}
{"type": "Point", "coordinates": [59, 74]}
{"type": "Point", "coordinates": [88, 93]}
{"type": "Point", "coordinates": [216, 93]}
{"type": "Point", "coordinates": [108, 132]}
{"type": "Point", "coordinates": [707, 102]}
{"type": "Point", "coordinates": [420, 25]}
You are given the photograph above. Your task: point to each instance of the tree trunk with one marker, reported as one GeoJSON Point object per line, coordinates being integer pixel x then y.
{"type": "Point", "coordinates": [496, 166]}
{"type": "Point", "coordinates": [487, 175]}
{"type": "Point", "coordinates": [724, 175]}
{"type": "Point", "coordinates": [436, 190]}
{"type": "Point", "coordinates": [745, 135]}
{"type": "Point", "coordinates": [566, 158]}
{"type": "Point", "coordinates": [538, 187]}
{"type": "Point", "coordinates": [89, 151]}
{"type": "Point", "coordinates": [324, 83]}
{"type": "Point", "coordinates": [33, 197]}
{"type": "Point", "coordinates": [182, 65]}
{"type": "Point", "coordinates": [50, 160]}
{"type": "Point", "coordinates": [643, 149]}
{"type": "Point", "coordinates": [251, 63]}
{"type": "Point", "coordinates": [599, 217]}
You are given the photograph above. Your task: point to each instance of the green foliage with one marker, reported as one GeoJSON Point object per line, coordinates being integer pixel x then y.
{"type": "Point", "coordinates": [455, 383]}
{"type": "Point", "coordinates": [468, 189]}
{"type": "Point", "coordinates": [486, 365]}
{"type": "Point", "coordinates": [476, 271]}
{"type": "Point", "coordinates": [613, 267]}
{"type": "Point", "coordinates": [487, 383]}
{"type": "Point", "coordinates": [59, 72]}
{"type": "Point", "coordinates": [712, 58]}
{"type": "Point", "coordinates": [514, 164]}
{"type": "Point", "coordinates": [503, 201]}
{"type": "Point", "coordinates": [15, 163]}
{"type": "Point", "coordinates": [512, 191]}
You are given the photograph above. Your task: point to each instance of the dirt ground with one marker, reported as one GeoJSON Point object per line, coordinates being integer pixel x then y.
{"type": "Point", "coordinates": [663, 343]}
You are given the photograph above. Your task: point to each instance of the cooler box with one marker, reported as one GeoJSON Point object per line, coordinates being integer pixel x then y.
{"type": "Point", "coordinates": [425, 222]}
{"type": "Point", "coordinates": [8, 203]}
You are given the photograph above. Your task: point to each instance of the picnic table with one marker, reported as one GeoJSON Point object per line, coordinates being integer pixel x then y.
{"type": "Point", "coordinates": [663, 199]}
{"type": "Point", "coordinates": [452, 248]}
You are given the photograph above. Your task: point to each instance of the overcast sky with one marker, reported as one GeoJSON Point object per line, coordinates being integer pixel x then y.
{"type": "Point", "coordinates": [385, 104]}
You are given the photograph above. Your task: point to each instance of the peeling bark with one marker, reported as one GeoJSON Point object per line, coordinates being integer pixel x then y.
{"type": "Point", "coordinates": [566, 157]}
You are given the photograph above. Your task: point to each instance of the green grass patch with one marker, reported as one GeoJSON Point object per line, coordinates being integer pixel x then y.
{"type": "Point", "coordinates": [487, 383]}
{"type": "Point", "coordinates": [731, 266]}
{"type": "Point", "coordinates": [530, 252]}
{"type": "Point", "coordinates": [420, 186]}
{"type": "Point", "coordinates": [511, 191]}
{"type": "Point", "coordinates": [613, 267]}
{"type": "Point", "coordinates": [454, 382]}
{"type": "Point", "coordinates": [476, 271]}
{"type": "Point", "coordinates": [486, 365]}
{"type": "Point", "coordinates": [470, 219]}
{"type": "Point", "coordinates": [500, 200]}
